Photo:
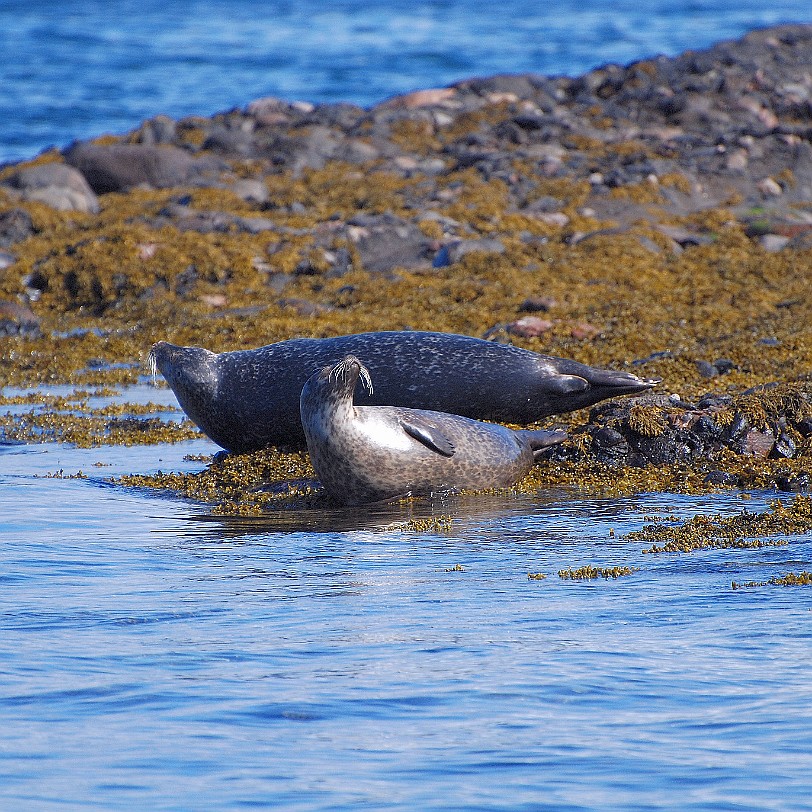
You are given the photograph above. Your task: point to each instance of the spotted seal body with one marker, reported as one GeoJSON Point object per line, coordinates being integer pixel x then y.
{"type": "Point", "coordinates": [249, 399]}
{"type": "Point", "coordinates": [365, 454]}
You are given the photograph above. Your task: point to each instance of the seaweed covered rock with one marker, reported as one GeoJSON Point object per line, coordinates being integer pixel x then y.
{"type": "Point", "coordinates": [772, 421]}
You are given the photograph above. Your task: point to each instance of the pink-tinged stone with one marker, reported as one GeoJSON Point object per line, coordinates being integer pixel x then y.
{"type": "Point", "coordinates": [584, 331]}
{"type": "Point", "coordinates": [147, 250]}
{"type": "Point", "coordinates": [529, 327]}
{"type": "Point", "coordinates": [424, 98]}
{"type": "Point", "coordinates": [758, 443]}
{"type": "Point", "coordinates": [553, 218]}
{"type": "Point", "coordinates": [213, 299]}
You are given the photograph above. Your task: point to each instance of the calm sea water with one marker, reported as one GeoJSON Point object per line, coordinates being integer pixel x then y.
{"type": "Point", "coordinates": [77, 68]}
{"type": "Point", "coordinates": [152, 657]}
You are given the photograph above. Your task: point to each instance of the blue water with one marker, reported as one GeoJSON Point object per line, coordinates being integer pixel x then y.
{"type": "Point", "coordinates": [78, 68]}
{"type": "Point", "coordinates": [152, 657]}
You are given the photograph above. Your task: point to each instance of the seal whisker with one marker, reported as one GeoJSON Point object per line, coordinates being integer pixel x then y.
{"type": "Point", "coordinates": [366, 379]}
{"type": "Point", "coordinates": [152, 366]}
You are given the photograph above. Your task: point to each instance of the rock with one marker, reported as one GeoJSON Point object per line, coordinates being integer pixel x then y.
{"type": "Point", "coordinates": [18, 320]}
{"type": "Point", "coordinates": [769, 188]}
{"type": "Point", "coordinates": [722, 479]}
{"type": "Point", "coordinates": [537, 304]}
{"type": "Point", "coordinates": [794, 483]}
{"type": "Point", "coordinates": [433, 97]}
{"type": "Point", "coordinates": [56, 185]}
{"type": "Point", "coordinates": [304, 307]}
{"type": "Point", "coordinates": [251, 190]}
{"type": "Point", "coordinates": [773, 242]}
{"type": "Point", "coordinates": [758, 443]}
{"type": "Point", "coordinates": [455, 251]}
{"type": "Point", "coordinates": [120, 167]}
{"type": "Point", "coordinates": [529, 327]}
{"type": "Point", "coordinates": [584, 331]}
{"type": "Point", "coordinates": [385, 242]}
{"type": "Point", "coordinates": [15, 226]}
{"type": "Point", "coordinates": [724, 365]}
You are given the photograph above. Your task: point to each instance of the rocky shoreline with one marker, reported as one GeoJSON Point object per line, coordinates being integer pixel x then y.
{"type": "Point", "coordinates": [657, 215]}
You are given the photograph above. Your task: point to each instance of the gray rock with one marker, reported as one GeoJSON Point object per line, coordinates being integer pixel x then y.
{"type": "Point", "coordinates": [119, 167]}
{"type": "Point", "coordinates": [56, 185]}
{"type": "Point", "coordinates": [455, 251]}
{"type": "Point", "coordinates": [18, 320]}
{"type": "Point", "coordinates": [15, 225]}
{"type": "Point", "coordinates": [385, 242]}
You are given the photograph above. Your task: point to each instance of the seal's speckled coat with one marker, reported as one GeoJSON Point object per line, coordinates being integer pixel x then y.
{"type": "Point", "coordinates": [366, 454]}
{"type": "Point", "coordinates": [249, 399]}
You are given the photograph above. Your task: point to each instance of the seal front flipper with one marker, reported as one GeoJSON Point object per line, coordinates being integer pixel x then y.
{"type": "Point", "coordinates": [565, 384]}
{"type": "Point", "coordinates": [429, 435]}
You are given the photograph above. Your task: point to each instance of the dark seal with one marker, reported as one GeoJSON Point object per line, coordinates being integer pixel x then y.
{"type": "Point", "coordinates": [365, 454]}
{"type": "Point", "coordinates": [249, 399]}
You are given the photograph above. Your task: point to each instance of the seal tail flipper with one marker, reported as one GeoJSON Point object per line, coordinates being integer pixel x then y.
{"type": "Point", "coordinates": [431, 437]}
{"type": "Point", "coordinates": [539, 439]}
{"type": "Point", "coordinates": [617, 382]}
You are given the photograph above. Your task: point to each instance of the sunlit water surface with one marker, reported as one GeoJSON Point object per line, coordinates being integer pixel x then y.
{"type": "Point", "coordinates": [154, 657]}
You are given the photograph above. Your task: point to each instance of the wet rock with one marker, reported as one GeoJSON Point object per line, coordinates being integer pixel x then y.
{"type": "Point", "coordinates": [15, 226]}
{"type": "Point", "coordinates": [120, 167]}
{"type": "Point", "coordinates": [794, 483]}
{"type": "Point", "coordinates": [784, 447]}
{"type": "Point", "coordinates": [722, 479]}
{"type": "Point", "coordinates": [706, 369]}
{"type": "Point", "coordinates": [56, 185]}
{"type": "Point", "coordinates": [724, 365]}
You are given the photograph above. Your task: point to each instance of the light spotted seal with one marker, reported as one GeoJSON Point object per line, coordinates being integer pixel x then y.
{"type": "Point", "coordinates": [249, 399]}
{"type": "Point", "coordinates": [365, 454]}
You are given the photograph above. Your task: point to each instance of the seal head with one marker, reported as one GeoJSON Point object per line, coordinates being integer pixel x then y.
{"type": "Point", "coordinates": [365, 454]}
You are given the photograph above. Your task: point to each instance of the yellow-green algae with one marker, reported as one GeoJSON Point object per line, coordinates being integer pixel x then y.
{"type": "Point", "coordinates": [802, 578]}
{"type": "Point", "coordinates": [589, 573]}
{"type": "Point", "coordinates": [70, 419]}
{"type": "Point", "coordinates": [711, 532]}
{"type": "Point", "coordinates": [241, 484]}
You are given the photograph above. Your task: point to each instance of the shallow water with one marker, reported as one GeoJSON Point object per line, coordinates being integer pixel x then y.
{"type": "Point", "coordinates": [154, 657]}
{"type": "Point", "coordinates": [76, 69]}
